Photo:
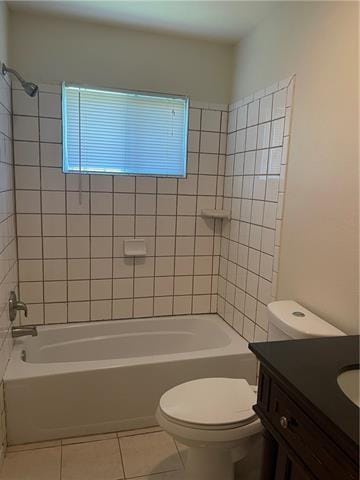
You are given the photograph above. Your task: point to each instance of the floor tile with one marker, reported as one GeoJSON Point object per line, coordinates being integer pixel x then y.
{"type": "Point", "coordinates": [92, 461]}
{"type": "Point", "coordinates": [139, 431]}
{"type": "Point", "coordinates": [33, 446]}
{"type": "Point", "coordinates": [182, 450]}
{"type": "Point", "coordinates": [88, 438]}
{"type": "Point", "coordinates": [177, 475]}
{"type": "Point", "coordinates": [149, 453]}
{"type": "Point", "coordinates": [42, 464]}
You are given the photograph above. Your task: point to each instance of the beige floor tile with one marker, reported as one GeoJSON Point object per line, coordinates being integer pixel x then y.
{"type": "Point", "coordinates": [42, 464]}
{"type": "Point", "coordinates": [177, 475]}
{"type": "Point", "coordinates": [88, 438]}
{"type": "Point", "coordinates": [139, 431]}
{"type": "Point", "coordinates": [92, 461]}
{"type": "Point", "coordinates": [182, 450]}
{"type": "Point", "coordinates": [149, 453]}
{"type": "Point", "coordinates": [33, 446]}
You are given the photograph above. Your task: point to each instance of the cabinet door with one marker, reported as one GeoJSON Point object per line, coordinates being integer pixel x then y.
{"type": "Point", "coordinates": [288, 469]}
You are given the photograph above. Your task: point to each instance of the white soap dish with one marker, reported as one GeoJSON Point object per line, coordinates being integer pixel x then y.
{"type": "Point", "coordinates": [215, 213]}
{"type": "Point", "coordinates": [135, 248]}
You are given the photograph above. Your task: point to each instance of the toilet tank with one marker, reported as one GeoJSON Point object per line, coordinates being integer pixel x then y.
{"type": "Point", "coordinates": [288, 320]}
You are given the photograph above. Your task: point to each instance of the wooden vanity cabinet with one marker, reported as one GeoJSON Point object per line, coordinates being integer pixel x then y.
{"type": "Point", "coordinates": [296, 447]}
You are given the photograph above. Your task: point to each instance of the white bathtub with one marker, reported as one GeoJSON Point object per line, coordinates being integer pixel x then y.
{"type": "Point", "coordinates": [107, 376]}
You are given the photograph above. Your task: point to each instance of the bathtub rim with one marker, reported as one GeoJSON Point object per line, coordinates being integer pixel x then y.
{"type": "Point", "coordinates": [17, 369]}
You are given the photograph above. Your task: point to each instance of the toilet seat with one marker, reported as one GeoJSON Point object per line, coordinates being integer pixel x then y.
{"type": "Point", "coordinates": [210, 404]}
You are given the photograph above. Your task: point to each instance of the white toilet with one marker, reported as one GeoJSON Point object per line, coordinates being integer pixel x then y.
{"type": "Point", "coordinates": [214, 416]}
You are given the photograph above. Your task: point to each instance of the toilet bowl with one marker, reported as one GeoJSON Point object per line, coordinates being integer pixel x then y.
{"type": "Point", "coordinates": [215, 419]}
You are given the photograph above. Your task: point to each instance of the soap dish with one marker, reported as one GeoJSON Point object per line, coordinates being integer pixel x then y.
{"type": "Point", "coordinates": [135, 248]}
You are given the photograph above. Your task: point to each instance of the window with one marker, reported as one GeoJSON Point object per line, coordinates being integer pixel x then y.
{"type": "Point", "coordinates": [123, 132]}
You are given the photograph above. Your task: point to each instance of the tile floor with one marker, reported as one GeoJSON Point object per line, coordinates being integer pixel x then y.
{"type": "Point", "coordinates": [145, 454]}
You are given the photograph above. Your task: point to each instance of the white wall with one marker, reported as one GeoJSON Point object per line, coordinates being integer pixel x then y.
{"type": "Point", "coordinates": [3, 32]}
{"type": "Point", "coordinates": [319, 42]}
{"type": "Point", "coordinates": [49, 49]}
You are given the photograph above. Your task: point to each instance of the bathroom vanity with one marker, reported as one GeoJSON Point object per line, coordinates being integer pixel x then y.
{"type": "Point", "coordinates": [311, 426]}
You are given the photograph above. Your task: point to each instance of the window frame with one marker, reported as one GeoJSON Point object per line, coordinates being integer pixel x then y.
{"type": "Point", "coordinates": [149, 93]}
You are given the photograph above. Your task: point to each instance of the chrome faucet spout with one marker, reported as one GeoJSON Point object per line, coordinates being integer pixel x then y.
{"type": "Point", "coordinates": [24, 331]}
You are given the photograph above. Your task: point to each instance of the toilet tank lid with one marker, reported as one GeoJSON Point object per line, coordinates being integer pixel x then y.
{"type": "Point", "coordinates": [298, 322]}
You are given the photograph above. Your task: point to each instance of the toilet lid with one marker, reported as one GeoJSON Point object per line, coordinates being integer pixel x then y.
{"type": "Point", "coordinates": [210, 401]}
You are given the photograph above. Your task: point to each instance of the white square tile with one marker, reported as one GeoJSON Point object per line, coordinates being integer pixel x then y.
{"type": "Point", "coordinates": [232, 121]}
{"type": "Point", "coordinates": [50, 130]}
{"type": "Point", "coordinates": [31, 292]}
{"type": "Point", "coordinates": [101, 183]}
{"type": "Point", "coordinates": [27, 202]}
{"type": "Point", "coordinates": [193, 144]}
{"type": "Point", "coordinates": [28, 225]}
{"type": "Point", "coordinates": [253, 113]}
{"type": "Point", "coordinates": [186, 205]}
{"type": "Point", "coordinates": [265, 109]}
{"type": "Point", "coordinates": [122, 308]}
{"type": "Point", "coordinates": [201, 304]}
{"type": "Point", "coordinates": [270, 215]}
{"type": "Point", "coordinates": [259, 187]}
{"type": "Point", "coordinates": [78, 290]}
{"type": "Point", "coordinates": [78, 247]}
{"type": "Point", "coordinates": [194, 118]}
{"type": "Point", "coordinates": [166, 185]}
{"type": "Point", "coordinates": [240, 141]}
{"type": "Point", "coordinates": [51, 154]}
{"type": "Point", "coordinates": [101, 310]}
{"type": "Point", "coordinates": [124, 225]}
{"type": "Point", "coordinates": [78, 269]}
{"type": "Point", "coordinates": [268, 241]}
{"type": "Point", "coordinates": [53, 202]}
{"type": "Point", "coordinates": [55, 269]}
{"type": "Point", "coordinates": [188, 186]}
{"type": "Point", "coordinates": [55, 291]}
{"type": "Point", "coordinates": [30, 247]}
{"type": "Point", "coordinates": [30, 270]}
{"type": "Point", "coordinates": [251, 138]}
{"type": "Point", "coordinates": [52, 178]}
{"type": "Point", "coordinates": [279, 102]}
{"type": "Point", "coordinates": [210, 120]}
{"type": "Point", "coordinates": [208, 163]}
{"type": "Point", "coordinates": [164, 286]}
{"type": "Point", "coordinates": [145, 225]}
{"type": "Point", "coordinates": [23, 104]}
{"type": "Point", "coordinates": [145, 185]}
{"type": "Point", "coordinates": [101, 225]}
{"type": "Point", "coordinates": [27, 177]}
{"type": "Point", "coordinates": [101, 268]}
{"type": "Point", "coordinates": [123, 288]}
{"type": "Point", "coordinates": [26, 128]}
{"type": "Point", "coordinates": [277, 132]}
{"type": "Point", "coordinates": [272, 188]}
{"type": "Point", "coordinates": [55, 313]}
{"type": "Point", "coordinates": [54, 225]}
{"type": "Point", "coordinates": [165, 225]}
{"type": "Point", "coordinates": [49, 105]}
{"type": "Point", "coordinates": [26, 153]}
{"type": "Point", "coordinates": [255, 237]}
{"type": "Point", "coordinates": [182, 305]}
{"type": "Point", "coordinates": [231, 142]}
{"type": "Point", "coordinates": [124, 184]}
{"type": "Point", "coordinates": [144, 287]}
{"type": "Point", "coordinates": [124, 204]}
{"type": "Point", "coordinates": [54, 247]}
{"type": "Point", "coordinates": [77, 203]}
{"type": "Point", "coordinates": [100, 289]}
{"type": "Point", "coordinates": [164, 266]}
{"type": "Point", "coordinates": [266, 266]}
{"type": "Point", "coordinates": [263, 137]}
{"type": "Point", "coordinates": [249, 163]}
{"type": "Point", "coordinates": [78, 225]}
{"type": "Point", "coordinates": [101, 203]}
{"type": "Point", "coordinates": [163, 306]}
{"type": "Point", "coordinates": [183, 265]}
{"type": "Point", "coordinates": [79, 311]}
{"type": "Point", "coordinates": [101, 247]}
{"type": "Point", "coordinates": [209, 142]}
{"type": "Point", "coordinates": [241, 117]}
{"type": "Point", "coordinates": [143, 307]}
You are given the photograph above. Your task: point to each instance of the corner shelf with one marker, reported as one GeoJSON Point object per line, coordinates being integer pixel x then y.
{"type": "Point", "coordinates": [214, 213]}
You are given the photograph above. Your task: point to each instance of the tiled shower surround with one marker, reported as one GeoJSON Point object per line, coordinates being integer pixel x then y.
{"type": "Point", "coordinates": [8, 259]}
{"type": "Point", "coordinates": [71, 235]}
{"type": "Point", "coordinates": [254, 187]}
{"type": "Point", "coordinates": [71, 228]}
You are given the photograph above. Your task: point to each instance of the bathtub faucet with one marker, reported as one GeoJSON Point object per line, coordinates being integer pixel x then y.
{"type": "Point", "coordinates": [15, 305]}
{"type": "Point", "coordinates": [23, 331]}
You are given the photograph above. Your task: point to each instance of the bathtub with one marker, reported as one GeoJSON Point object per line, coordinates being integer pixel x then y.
{"type": "Point", "coordinates": [102, 377]}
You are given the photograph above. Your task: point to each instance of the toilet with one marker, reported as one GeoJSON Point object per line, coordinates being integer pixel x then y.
{"type": "Point", "coordinates": [214, 416]}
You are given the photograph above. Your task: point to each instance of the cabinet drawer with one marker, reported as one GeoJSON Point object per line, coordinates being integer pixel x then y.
{"type": "Point", "coordinates": [310, 443]}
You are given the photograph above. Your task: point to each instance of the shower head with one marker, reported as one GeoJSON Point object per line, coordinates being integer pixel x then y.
{"type": "Point", "coordinates": [30, 88]}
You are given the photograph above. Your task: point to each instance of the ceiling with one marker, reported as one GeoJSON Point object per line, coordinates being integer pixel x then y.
{"type": "Point", "coordinates": [225, 21]}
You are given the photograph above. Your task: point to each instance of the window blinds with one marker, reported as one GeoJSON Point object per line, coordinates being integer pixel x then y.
{"type": "Point", "coordinates": [121, 132]}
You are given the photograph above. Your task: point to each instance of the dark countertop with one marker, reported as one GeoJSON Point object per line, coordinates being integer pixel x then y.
{"type": "Point", "coordinates": [310, 368]}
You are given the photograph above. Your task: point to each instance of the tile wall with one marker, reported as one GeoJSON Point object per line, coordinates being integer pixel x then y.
{"type": "Point", "coordinates": [254, 187]}
{"type": "Point", "coordinates": [8, 256]}
{"type": "Point", "coordinates": [71, 228]}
